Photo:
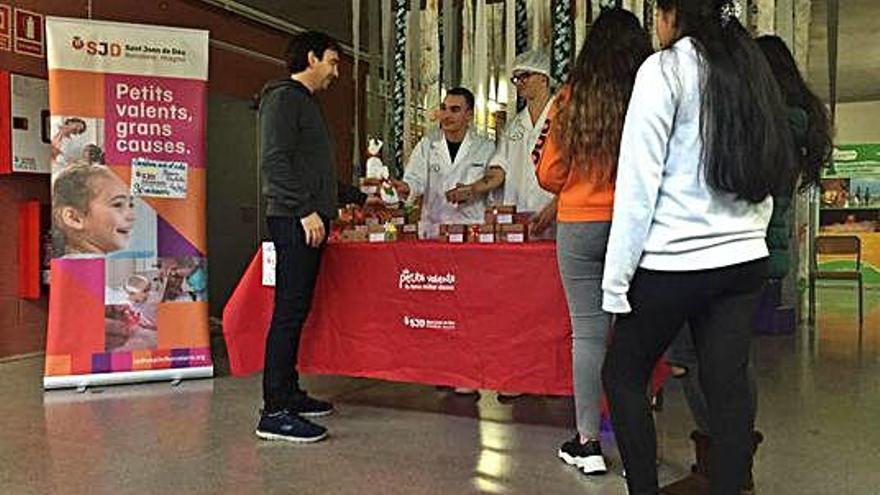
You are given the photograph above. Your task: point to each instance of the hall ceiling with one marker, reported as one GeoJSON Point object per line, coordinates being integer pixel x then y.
{"type": "Point", "coordinates": [858, 58]}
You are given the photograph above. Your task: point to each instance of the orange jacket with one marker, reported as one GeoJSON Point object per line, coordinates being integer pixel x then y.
{"type": "Point", "coordinates": [580, 198]}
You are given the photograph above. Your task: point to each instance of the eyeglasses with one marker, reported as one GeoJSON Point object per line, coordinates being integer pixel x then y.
{"type": "Point", "coordinates": [521, 77]}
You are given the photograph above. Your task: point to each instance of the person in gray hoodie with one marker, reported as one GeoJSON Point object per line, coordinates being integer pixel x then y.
{"type": "Point", "coordinates": [302, 195]}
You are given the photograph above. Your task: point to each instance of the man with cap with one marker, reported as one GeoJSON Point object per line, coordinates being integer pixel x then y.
{"type": "Point", "coordinates": [531, 76]}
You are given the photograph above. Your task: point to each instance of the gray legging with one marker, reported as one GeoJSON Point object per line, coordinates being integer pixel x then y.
{"type": "Point", "coordinates": [580, 250]}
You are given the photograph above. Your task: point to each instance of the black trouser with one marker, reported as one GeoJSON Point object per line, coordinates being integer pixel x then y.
{"type": "Point", "coordinates": [718, 305]}
{"type": "Point", "coordinates": [295, 275]}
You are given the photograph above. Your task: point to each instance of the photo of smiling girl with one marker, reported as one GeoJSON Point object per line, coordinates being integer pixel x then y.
{"type": "Point", "coordinates": [92, 209]}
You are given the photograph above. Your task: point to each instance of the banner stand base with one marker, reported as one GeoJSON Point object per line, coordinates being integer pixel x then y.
{"type": "Point", "coordinates": [118, 378]}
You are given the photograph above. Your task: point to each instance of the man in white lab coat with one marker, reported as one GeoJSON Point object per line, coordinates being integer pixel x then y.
{"type": "Point", "coordinates": [448, 168]}
{"type": "Point", "coordinates": [531, 76]}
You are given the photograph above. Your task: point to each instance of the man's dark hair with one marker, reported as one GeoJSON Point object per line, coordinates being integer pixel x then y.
{"type": "Point", "coordinates": [297, 55]}
{"type": "Point", "coordinates": [466, 93]}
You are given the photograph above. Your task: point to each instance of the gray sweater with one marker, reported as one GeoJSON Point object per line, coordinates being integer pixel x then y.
{"type": "Point", "coordinates": [297, 155]}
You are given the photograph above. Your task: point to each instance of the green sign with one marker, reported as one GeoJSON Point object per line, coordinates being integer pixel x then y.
{"type": "Point", "coordinates": [854, 160]}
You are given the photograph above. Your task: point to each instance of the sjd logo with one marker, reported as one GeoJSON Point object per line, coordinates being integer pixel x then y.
{"type": "Point", "coordinates": [97, 48]}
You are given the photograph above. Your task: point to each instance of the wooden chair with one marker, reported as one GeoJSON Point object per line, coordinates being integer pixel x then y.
{"type": "Point", "coordinates": [837, 245]}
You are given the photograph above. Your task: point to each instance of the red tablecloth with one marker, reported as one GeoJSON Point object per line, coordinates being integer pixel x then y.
{"type": "Point", "coordinates": [481, 316]}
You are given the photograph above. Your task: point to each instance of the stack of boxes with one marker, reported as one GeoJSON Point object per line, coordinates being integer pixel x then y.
{"type": "Point", "coordinates": [358, 225]}
{"type": "Point", "coordinates": [501, 224]}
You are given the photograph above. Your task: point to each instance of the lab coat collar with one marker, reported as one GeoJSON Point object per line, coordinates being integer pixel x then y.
{"type": "Point", "coordinates": [440, 145]}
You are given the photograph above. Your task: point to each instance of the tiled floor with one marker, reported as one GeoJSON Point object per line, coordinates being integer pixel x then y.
{"type": "Point", "coordinates": [819, 409]}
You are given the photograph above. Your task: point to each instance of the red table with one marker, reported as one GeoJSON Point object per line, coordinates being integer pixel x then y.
{"type": "Point", "coordinates": [483, 316]}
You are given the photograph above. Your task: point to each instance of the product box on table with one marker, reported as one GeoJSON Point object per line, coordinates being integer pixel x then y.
{"type": "Point", "coordinates": [398, 217]}
{"type": "Point", "coordinates": [523, 217]}
{"type": "Point", "coordinates": [501, 215]}
{"type": "Point", "coordinates": [353, 235]}
{"type": "Point", "coordinates": [453, 233]}
{"type": "Point", "coordinates": [481, 233]}
{"type": "Point", "coordinates": [409, 232]}
{"type": "Point", "coordinates": [513, 233]}
{"type": "Point", "coordinates": [381, 233]}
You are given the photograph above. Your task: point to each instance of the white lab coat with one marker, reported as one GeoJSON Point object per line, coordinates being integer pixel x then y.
{"type": "Point", "coordinates": [431, 173]}
{"type": "Point", "coordinates": [514, 155]}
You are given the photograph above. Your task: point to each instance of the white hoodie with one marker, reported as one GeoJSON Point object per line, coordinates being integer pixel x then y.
{"type": "Point", "coordinates": [666, 217]}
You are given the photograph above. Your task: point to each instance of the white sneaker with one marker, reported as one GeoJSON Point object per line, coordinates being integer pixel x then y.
{"type": "Point", "coordinates": [585, 456]}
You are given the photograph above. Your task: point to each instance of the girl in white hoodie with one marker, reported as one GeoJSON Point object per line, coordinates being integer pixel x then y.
{"type": "Point", "coordinates": [705, 145]}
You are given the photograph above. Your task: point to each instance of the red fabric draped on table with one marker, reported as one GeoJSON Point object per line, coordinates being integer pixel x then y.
{"type": "Point", "coordinates": [487, 316]}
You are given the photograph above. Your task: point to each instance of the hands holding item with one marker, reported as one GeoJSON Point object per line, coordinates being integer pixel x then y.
{"type": "Point", "coordinates": [313, 227]}
{"type": "Point", "coordinates": [460, 194]}
{"type": "Point", "coordinates": [542, 220]}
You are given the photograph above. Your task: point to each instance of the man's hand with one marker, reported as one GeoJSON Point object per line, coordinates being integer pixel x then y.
{"type": "Point", "coordinates": [313, 227]}
{"type": "Point", "coordinates": [460, 194]}
{"type": "Point", "coordinates": [542, 220]}
{"type": "Point", "coordinates": [401, 187]}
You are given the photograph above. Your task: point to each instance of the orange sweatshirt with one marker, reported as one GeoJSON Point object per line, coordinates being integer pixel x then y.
{"type": "Point", "coordinates": [580, 198]}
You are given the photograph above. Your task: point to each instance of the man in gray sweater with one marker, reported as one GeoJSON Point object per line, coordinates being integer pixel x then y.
{"type": "Point", "coordinates": [302, 193]}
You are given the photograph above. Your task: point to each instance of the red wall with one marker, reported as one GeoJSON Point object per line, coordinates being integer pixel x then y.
{"type": "Point", "coordinates": [22, 323]}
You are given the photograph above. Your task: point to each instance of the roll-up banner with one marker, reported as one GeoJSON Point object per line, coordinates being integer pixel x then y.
{"type": "Point", "coordinates": [128, 297]}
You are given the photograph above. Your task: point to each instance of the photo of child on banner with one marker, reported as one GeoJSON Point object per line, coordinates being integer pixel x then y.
{"type": "Point", "coordinates": [76, 138]}
{"type": "Point", "coordinates": [93, 209]}
{"type": "Point", "coordinates": [95, 214]}
{"type": "Point", "coordinates": [186, 279]}
{"type": "Point", "coordinates": [132, 326]}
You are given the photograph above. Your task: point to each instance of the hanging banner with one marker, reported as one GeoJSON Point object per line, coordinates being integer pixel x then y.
{"type": "Point", "coordinates": [129, 275]}
{"type": "Point", "coordinates": [398, 92]}
{"type": "Point", "coordinates": [563, 38]}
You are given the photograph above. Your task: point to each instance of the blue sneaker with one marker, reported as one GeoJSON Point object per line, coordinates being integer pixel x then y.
{"type": "Point", "coordinates": [309, 407]}
{"type": "Point", "coordinates": [283, 425]}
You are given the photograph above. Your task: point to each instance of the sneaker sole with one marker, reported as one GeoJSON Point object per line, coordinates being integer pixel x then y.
{"type": "Point", "coordinates": [591, 466]}
{"type": "Point", "coordinates": [287, 438]}
{"type": "Point", "coordinates": [316, 414]}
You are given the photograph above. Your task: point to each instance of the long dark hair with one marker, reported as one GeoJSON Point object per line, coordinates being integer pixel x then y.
{"type": "Point", "coordinates": [747, 145]}
{"type": "Point", "coordinates": [816, 145]}
{"type": "Point", "coordinates": [589, 124]}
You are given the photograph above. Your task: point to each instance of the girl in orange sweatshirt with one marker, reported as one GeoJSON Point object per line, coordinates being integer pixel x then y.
{"type": "Point", "coordinates": [576, 159]}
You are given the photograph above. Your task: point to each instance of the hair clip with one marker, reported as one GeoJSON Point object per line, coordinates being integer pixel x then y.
{"type": "Point", "coordinates": [731, 9]}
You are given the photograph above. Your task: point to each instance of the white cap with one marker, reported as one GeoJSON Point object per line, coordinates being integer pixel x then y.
{"type": "Point", "coordinates": [532, 61]}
